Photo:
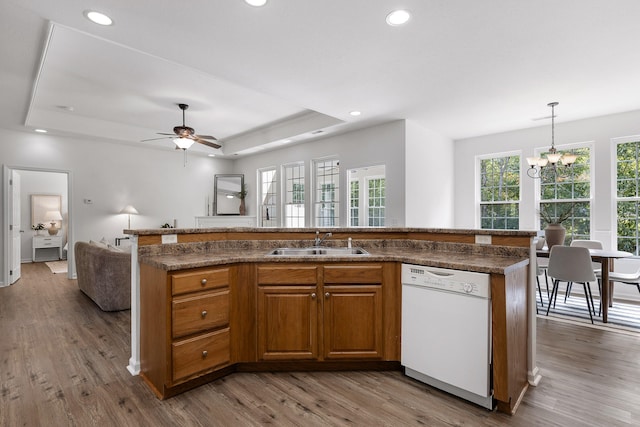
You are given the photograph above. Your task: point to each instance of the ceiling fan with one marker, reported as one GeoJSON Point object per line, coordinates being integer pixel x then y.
{"type": "Point", "coordinates": [184, 136]}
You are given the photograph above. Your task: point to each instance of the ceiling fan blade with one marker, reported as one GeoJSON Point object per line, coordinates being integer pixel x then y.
{"type": "Point", "coordinates": [155, 139]}
{"type": "Point", "coordinates": [162, 133]}
{"type": "Point", "coordinates": [207, 143]}
{"type": "Point", "coordinates": [207, 137]}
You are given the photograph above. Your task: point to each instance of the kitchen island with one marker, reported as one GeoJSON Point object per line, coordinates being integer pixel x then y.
{"type": "Point", "coordinates": [313, 296]}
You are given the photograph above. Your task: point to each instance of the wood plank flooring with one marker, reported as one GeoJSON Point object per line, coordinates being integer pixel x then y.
{"type": "Point", "coordinates": [62, 363]}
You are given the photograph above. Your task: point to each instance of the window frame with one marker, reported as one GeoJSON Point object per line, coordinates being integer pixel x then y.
{"type": "Point", "coordinates": [335, 200]}
{"type": "Point", "coordinates": [538, 187]}
{"type": "Point", "coordinates": [260, 196]}
{"type": "Point", "coordinates": [614, 191]}
{"type": "Point", "coordinates": [478, 179]}
{"type": "Point", "coordinates": [284, 193]}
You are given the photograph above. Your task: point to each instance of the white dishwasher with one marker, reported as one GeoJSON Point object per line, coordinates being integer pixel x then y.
{"type": "Point", "coordinates": [446, 331]}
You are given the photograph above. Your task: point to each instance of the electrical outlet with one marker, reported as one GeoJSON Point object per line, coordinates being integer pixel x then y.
{"type": "Point", "coordinates": [88, 201]}
{"type": "Point", "coordinates": [482, 239]}
{"type": "Point", "coordinates": [169, 238]}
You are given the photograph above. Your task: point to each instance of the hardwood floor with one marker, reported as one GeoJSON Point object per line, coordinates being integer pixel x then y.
{"type": "Point", "coordinates": [62, 363]}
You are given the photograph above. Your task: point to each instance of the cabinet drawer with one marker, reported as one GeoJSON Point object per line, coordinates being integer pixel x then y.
{"type": "Point", "coordinates": [200, 353]}
{"type": "Point", "coordinates": [353, 274]}
{"type": "Point", "coordinates": [182, 283]}
{"type": "Point", "coordinates": [287, 275]}
{"type": "Point", "coordinates": [200, 312]}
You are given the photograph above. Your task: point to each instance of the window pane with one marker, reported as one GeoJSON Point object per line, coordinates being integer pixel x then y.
{"type": "Point", "coordinates": [326, 200]}
{"type": "Point", "coordinates": [294, 211]}
{"type": "Point", "coordinates": [628, 184]}
{"type": "Point", "coordinates": [268, 198]}
{"type": "Point", "coordinates": [500, 182]}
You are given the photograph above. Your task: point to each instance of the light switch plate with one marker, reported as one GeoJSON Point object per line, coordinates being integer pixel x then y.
{"type": "Point", "coordinates": [169, 238]}
{"type": "Point", "coordinates": [483, 239]}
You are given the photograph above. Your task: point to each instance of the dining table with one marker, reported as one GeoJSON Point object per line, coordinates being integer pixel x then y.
{"type": "Point", "coordinates": [606, 258]}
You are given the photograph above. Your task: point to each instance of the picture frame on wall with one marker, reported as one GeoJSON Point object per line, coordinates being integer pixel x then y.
{"type": "Point", "coordinates": [43, 203]}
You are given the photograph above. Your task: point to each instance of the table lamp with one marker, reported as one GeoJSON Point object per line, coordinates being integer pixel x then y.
{"type": "Point", "coordinates": [53, 217]}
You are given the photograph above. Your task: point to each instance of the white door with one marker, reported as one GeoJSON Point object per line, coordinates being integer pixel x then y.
{"type": "Point", "coordinates": [14, 250]}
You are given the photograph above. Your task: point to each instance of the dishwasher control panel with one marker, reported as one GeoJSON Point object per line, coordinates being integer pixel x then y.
{"type": "Point", "coordinates": [464, 282]}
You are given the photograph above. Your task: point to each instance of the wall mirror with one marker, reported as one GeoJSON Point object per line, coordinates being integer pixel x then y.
{"type": "Point", "coordinates": [225, 194]}
{"type": "Point", "coordinates": [367, 196]}
{"type": "Point", "coordinates": [43, 203]}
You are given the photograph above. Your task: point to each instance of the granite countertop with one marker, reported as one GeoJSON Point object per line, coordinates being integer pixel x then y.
{"type": "Point", "coordinates": [355, 230]}
{"type": "Point", "coordinates": [483, 263]}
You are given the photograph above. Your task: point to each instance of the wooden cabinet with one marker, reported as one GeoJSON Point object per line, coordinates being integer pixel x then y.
{"type": "Point", "coordinates": [287, 312]}
{"type": "Point", "coordinates": [184, 319]}
{"type": "Point", "coordinates": [352, 322]}
{"type": "Point", "coordinates": [320, 312]}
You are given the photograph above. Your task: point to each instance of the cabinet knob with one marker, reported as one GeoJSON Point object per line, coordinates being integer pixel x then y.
{"type": "Point", "coordinates": [327, 295]}
{"type": "Point", "coordinates": [204, 313]}
{"type": "Point", "coordinates": [204, 354]}
{"type": "Point", "coordinates": [203, 282]}
{"type": "Point", "coordinates": [313, 295]}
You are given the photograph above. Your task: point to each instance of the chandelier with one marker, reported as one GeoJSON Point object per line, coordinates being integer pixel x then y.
{"type": "Point", "coordinates": [539, 164]}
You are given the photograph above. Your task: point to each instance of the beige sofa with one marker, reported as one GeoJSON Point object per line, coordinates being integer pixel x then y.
{"type": "Point", "coordinates": [104, 275]}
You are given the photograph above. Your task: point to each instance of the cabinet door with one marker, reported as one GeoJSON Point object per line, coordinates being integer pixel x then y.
{"type": "Point", "coordinates": [353, 322]}
{"type": "Point", "coordinates": [287, 322]}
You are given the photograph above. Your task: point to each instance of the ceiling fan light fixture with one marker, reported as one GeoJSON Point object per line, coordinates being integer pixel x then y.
{"type": "Point", "coordinates": [398, 17]}
{"type": "Point", "coordinates": [98, 18]}
{"type": "Point", "coordinates": [183, 143]}
{"type": "Point", "coordinates": [256, 3]}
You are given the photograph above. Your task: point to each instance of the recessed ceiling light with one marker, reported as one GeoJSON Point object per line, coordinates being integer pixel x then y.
{"type": "Point", "coordinates": [398, 17]}
{"type": "Point", "coordinates": [256, 3]}
{"type": "Point", "coordinates": [98, 18]}
{"type": "Point", "coordinates": [355, 113]}
{"type": "Point", "coordinates": [211, 155]}
{"type": "Point", "coordinates": [41, 130]}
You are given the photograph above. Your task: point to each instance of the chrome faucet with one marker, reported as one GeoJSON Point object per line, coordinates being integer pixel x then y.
{"type": "Point", "coordinates": [318, 241]}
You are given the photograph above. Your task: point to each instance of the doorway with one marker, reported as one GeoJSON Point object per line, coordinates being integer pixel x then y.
{"type": "Point", "coordinates": [33, 181]}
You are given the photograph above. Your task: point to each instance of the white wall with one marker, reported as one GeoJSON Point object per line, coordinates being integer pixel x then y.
{"type": "Point", "coordinates": [114, 175]}
{"type": "Point", "coordinates": [429, 178]}
{"type": "Point", "coordinates": [38, 182]}
{"type": "Point", "coordinates": [382, 144]}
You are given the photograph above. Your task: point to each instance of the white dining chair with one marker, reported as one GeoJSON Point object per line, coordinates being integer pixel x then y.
{"type": "Point", "coordinates": [571, 264]}
{"type": "Point", "coordinates": [615, 276]}
{"type": "Point", "coordinates": [597, 268]}
{"type": "Point", "coordinates": [542, 264]}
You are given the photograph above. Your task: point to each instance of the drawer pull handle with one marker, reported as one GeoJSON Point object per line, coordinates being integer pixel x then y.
{"type": "Point", "coordinates": [204, 313]}
{"type": "Point", "coordinates": [203, 282]}
{"type": "Point", "coordinates": [327, 295]}
{"type": "Point", "coordinates": [204, 354]}
{"type": "Point", "coordinates": [313, 295]}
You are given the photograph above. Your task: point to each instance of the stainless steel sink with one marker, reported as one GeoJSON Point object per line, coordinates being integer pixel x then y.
{"type": "Point", "coordinates": [318, 251]}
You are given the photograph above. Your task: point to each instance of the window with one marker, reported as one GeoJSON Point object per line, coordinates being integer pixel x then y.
{"type": "Point", "coordinates": [500, 193]}
{"type": "Point", "coordinates": [354, 203]}
{"type": "Point", "coordinates": [294, 212]}
{"type": "Point", "coordinates": [367, 196]}
{"type": "Point", "coordinates": [327, 195]}
{"type": "Point", "coordinates": [268, 197]}
{"type": "Point", "coordinates": [628, 196]}
{"type": "Point", "coordinates": [376, 201]}
{"type": "Point", "coordinates": [570, 185]}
